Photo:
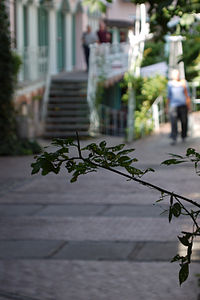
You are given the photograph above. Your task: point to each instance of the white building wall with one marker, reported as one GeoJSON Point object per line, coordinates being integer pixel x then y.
{"type": "Point", "coordinates": [120, 10]}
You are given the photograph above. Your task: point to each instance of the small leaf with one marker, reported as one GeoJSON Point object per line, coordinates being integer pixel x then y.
{"type": "Point", "coordinates": [133, 171]}
{"type": "Point", "coordinates": [102, 144]}
{"type": "Point", "coordinates": [149, 170]}
{"type": "Point", "coordinates": [36, 168]}
{"type": "Point", "coordinates": [116, 148]}
{"type": "Point", "coordinates": [177, 257]}
{"type": "Point", "coordinates": [125, 160]}
{"type": "Point", "coordinates": [189, 251]}
{"type": "Point", "coordinates": [183, 273]}
{"type": "Point", "coordinates": [172, 161]}
{"type": "Point", "coordinates": [171, 199]}
{"type": "Point", "coordinates": [184, 240]}
{"type": "Point", "coordinates": [190, 151]}
{"type": "Point", "coordinates": [176, 155]}
{"type": "Point", "coordinates": [176, 210]}
{"type": "Point", "coordinates": [170, 214]}
{"type": "Point", "coordinates": [124, 152]}
{"type": "Point", "coordinates": [110, 155]}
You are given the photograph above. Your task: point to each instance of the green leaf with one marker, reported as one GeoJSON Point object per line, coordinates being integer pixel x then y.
{"type": "Point", "coordinates": [170, 214]}
{"type": "Point", "coordinates": [133, 171]}
{"type": "Point", "coordinates": [124, 152]}
{"type": "Point", "coordinates": [176, 155]}
{"type": "Point", "coordinates": [172, 161]}
{"type": "Point", "coordinates": [176, 210]}
{"type": "Point", "coordinates": [116, 148]}
{"type": "Point", "coordinates": [171, 199]}
{"type": "Point", "coordinates": [110, 155]}
{"type": "Point", "coordinates": [47, 167]}
{"type": "Point", "coordinates": [190, 151]}
{"type": "Point", "coordinates": [183, 273]}
{"type": "Point", "coordinates": [36, 168]}
{"type": "Point", "coordinates": [124, 160]}
{"type": "Point", "coordinates": [184, 240]}
{"type": "Point", "coordinates": [189, 251]}
{"type": "Point", "coordinates": [102, 144]}
{"type": "Point", "coordinates": [149, 170]}
{"type": "Point", "coordinates": [177, 257]}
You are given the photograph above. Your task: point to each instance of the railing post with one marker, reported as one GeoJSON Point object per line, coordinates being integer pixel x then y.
{"type": "Point", "coordinates": [131, 117]}
{"type": "Point", "coordinates": [155, 112]}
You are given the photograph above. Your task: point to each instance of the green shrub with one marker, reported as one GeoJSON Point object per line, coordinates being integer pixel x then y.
{"type": "Point", "coordinates": [10, 62]}
{"type": "Point", "coordinates": [153, 53]}
{"type": "Point", "coordinates": [146, 89]}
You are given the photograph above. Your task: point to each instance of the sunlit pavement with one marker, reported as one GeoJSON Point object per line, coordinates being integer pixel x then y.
{"type": "Point", "coordinates": [99, 238]}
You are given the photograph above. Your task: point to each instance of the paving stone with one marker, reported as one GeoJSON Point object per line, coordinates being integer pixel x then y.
{"type": "Point", "coordinates": [155, 251]}
{"type": "Point", "coordinates": [12, 210]}
{"type": "Point", "coordinates": [97, 280]}
{"type": "Point", "coordinates": [102, 250]}
{"type": "Point", "coordinates": [72, 210]}
{"type": "Point", "coordinates": [28, 248]}
{"type": "Point", "coordinates": [93, 228]}
{"type": "Point", "coordinates": [14, 296]}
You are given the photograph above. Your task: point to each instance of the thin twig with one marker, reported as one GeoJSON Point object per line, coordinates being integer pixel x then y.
{"type": "Point", "coordinates": [190, 214]}
{"type": "Point", "coordinates": [145, 183]}
{"type": "Point", "coordinates": [79, 147]}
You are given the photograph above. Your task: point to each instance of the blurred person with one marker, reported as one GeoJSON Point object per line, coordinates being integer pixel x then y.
{"type": "Point", "coordinates": [103, 34]}
{"type": "Point", "coordinates": [88, 38]}
{"type": "Point", "coordinates": [178, 105]}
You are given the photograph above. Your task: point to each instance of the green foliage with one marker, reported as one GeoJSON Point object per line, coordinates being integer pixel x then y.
{"type": "Point", "coordinates": [153, 53]}
{"type": "Point", "coordinates": [21, 147]}
{"type": "Point", "coordinates": [154, 87]}
{"type": "Point", "coordinates": [147, 89]}
{"type": "Point", "coordinates": [161, 12]}
{"type": "Point", "coordinates": [7, 114]}
{"type": "Point", "coordinates": [16, 62]}
{"type": "Point", "coordinates": [143, 124]}
{"type": "Point", "coordinates": [10, 64]}
{"type": "Point", "coordinates": [191, 56]}
{"type": "Point", "coordinates": [191, 156]}
{"type": "Point", "coordinates": [114, 159]}
{"type": "Point", "coordinates": [95, 156]}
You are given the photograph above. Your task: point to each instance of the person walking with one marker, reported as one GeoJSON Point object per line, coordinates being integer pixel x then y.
{"type": "Point", "coordinates": [88, 38]}
{"type": "Point", "coordinates": [178, 105]}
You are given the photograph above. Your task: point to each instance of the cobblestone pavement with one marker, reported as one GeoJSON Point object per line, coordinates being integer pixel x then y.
{"type": "Point", "coordinates": [99, 238]}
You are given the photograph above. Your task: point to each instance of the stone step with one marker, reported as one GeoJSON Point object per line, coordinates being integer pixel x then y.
{"type": "Point", "coordinates": [58, 92]}
{"type": "Point", "coordinates": [69, 120]}
{"type": "Point", "coordinates": [65, 134]}
{"type": "Point", "coordinates": [64, 127]}
{"type": "Point", "coordinates": [68, 85]}
{"type": "Point", "coordinates": [60, 106]}
{"type": "Point", "coordinates": [74, 99]}
{"type": "Point", "coordinates": [75, 80]}
{"type": "Point", "coordinates": [67, 114]}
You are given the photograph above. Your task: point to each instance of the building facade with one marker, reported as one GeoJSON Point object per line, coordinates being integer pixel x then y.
{"type": "Point", "coordinates": [47, 35]}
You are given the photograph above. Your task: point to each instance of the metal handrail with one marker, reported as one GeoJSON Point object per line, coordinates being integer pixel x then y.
{"type": "Point", "coordinates": [112, 121]}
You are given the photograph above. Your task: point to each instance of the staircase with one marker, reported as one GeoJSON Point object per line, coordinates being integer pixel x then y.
{"type": "Point", "coordinates": [67, 108]}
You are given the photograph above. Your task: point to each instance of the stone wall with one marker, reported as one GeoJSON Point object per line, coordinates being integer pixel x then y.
{"type": "Point", "coordinates": [29, 113]}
